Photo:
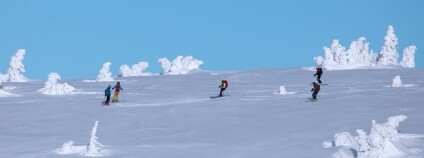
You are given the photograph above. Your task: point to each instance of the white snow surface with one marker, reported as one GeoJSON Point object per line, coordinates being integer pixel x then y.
{"type": "Point", "coordinates": [51, 87]}
{"type": "Point", "coordinates": [165, 116]}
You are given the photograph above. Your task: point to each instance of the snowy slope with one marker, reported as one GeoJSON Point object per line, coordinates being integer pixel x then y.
{"type": "Point", "coordinates": [173, 116]}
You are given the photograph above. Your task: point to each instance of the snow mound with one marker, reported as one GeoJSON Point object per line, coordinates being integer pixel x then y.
{"type": "Point", "coordinates": [135, 70]}
{"type": "Point", "coordinates": [383, 141]}
{"type": "Point", "coordinates": [94, 148]}
{"type": "Point", "coordinates": [358, 56]}
{"type": "Point", "coordinates": [397, 82]}
{"type": "Point", "coordinates": [5, 94]}
{"type": "Point", "coordinates": [105, 74]}
{"type": "Point", "coordinates": [51, 87]}
{"type": "Point", "coordinates": [180, 65]}
{"type": "Point", "coordinates": [283, 91]}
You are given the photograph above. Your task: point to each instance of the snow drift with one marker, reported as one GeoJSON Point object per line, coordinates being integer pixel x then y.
{"type": "Point", "coordinates": [359, 56]}
{"type": "Point", "coordinates": [104, 73]}
{"type": "Point", "coordinates": [180, 65]}
{"type": "Point", "coordinates": [51, 87]}
{"type": "Point", "coordinates": [283, 91]}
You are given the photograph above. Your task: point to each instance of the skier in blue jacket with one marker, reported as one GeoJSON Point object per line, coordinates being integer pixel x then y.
{"type": "Point", "coordinates": [107, 94]}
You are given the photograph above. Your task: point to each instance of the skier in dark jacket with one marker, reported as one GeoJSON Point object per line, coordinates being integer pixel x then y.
{"type": "Point", "coordinates": [223, 86]}
{"type": "Point", "coordinates": [316, 89]}
{"type": "Point", "coordinates": [318, 74]}
{"type": "Point", "coordinates": [107, 94]}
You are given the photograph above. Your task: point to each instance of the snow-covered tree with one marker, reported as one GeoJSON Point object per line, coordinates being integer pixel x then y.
{"type": "Point", "coordinates": [16, 68]}
{"type": "Point", "coordinates": [51, 87]}
{"type": "Point", "coordinates": [408, 59]}
{"type": "Point", "coordinates": [180, 65]}
{"type": "Point", "coordinates": [134, 70]}
{"type": "Point", "coordinates": [3, 78]}
{"type": "Point", "coordinates": [334, 56]}
{"type": "Point", "coordinates": [389, 54]}
{"type": "Point", "coordinates": [165, 64]}
{"type": "Point", "coordinates": [359, 54]}
{"type": "Point", "coordinates": [104, 73]}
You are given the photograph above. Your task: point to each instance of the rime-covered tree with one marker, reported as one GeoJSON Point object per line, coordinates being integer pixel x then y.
{"type": "Point", "coordinates": [104, 73]}
{"type": "Point", "coordinates": [134, 70]}
{"type": "Point", "coordinates": [94, 147]}
{"type": "Point", "coordinates": [180, 65]}
{"type": "Point", "coordinates": [334, 56]}
{"type": "Point", "coordinates": [408, 59]}
{"type": "Point", "coordinates": [389, 54]}
{"type": "Point", "coordinates": [17, 68]}
{"type": "Point", "coordinates": [359, 54]}
{"type": "Point", "coordinates": [165, 64]}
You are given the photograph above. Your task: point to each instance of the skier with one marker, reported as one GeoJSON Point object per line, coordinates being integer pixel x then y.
{"type": "Point", "coordinates": [117, 88]}
{"type": "Point", "coordinates": [316, 89]}
{"type": "Point", "coordinates": [223, 86]}
{"type": "Point", "coordinates": [318, 74]}
{"type": "Point", "coordinates": [107, 95]}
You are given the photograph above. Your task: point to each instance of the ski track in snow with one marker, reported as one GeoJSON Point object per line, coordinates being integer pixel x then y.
{"type": "Point", "coordinates": [161, 103]}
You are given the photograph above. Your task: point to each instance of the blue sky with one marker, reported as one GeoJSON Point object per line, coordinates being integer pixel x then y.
{"type": "Point", "coordinates": [74, 38]}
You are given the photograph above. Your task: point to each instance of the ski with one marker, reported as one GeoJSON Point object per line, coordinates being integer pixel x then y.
{"type": "Point", "coordinates": [213, 97]}
{"type": "Point", "coordinates": [311, 100]}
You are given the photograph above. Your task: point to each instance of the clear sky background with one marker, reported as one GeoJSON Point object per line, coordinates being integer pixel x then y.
{"type": "Point", "coordinates": [75, 37]}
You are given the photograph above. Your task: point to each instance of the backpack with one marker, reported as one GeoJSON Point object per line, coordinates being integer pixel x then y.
{"type": "Point", "coordinates": [317, 87]}
{"type": "Point", "coordinates": [319, 71]}
{"type": "Point", "coordinates": [226, 83]}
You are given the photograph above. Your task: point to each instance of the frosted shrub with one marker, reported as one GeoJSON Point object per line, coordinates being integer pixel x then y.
{"type": "Point", "coordinates": [134, 70]}
{"type": "Point", "coordinates": [51, 87]}
{"type": "Point", "coordinates": [180, 65]}
{"type": "Point", "coordinates": [396, 82]}
{"type": "Point", "coordinates": [104, 73]}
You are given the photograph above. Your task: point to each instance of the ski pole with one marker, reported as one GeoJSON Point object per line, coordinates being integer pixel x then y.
{"type": "Point", "coordinates": [227, 93]}
{"type": "Point", "coordinates": [123, 95]}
